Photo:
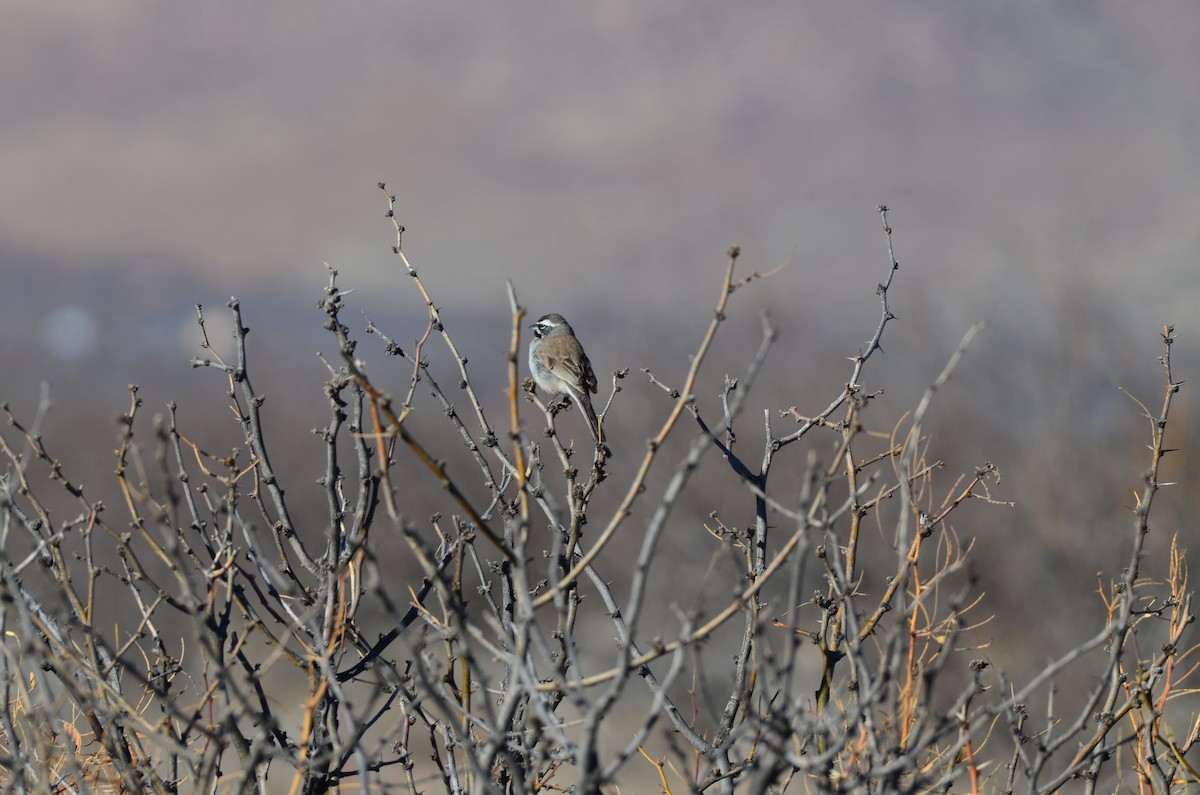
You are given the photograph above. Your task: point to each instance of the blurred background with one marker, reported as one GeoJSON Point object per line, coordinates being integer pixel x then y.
{"type": "Point", "coordinates": [1039, 161]}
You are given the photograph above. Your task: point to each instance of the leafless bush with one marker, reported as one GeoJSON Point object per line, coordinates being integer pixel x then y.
{"type": "Point", "coordinates": [203, 636]}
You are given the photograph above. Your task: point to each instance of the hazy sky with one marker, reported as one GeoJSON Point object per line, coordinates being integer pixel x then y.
{"type": "Point", "coordinates": [603, 155]}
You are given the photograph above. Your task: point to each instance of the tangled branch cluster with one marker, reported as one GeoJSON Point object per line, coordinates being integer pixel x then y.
{"type": "Point", "coordinates": [250, 658]}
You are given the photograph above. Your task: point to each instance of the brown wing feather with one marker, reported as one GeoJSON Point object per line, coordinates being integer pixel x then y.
{"type": "Point", "coordinates": [565, 354]}
{"type": "Point", "coordinates": [579, 366]}
{"type": "Point", "coordinates": [572, 359]}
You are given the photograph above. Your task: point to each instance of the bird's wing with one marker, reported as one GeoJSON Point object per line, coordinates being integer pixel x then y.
{"type": "Point", "coordinates": [575, 361]}
{"type": "Point", "coordinates": [586, 376]}
{"type": "Point", "coordinates": [566, 356]}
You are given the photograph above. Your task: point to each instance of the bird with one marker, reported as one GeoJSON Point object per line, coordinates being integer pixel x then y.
{"type": "Point", "coordinates": [559, 366]}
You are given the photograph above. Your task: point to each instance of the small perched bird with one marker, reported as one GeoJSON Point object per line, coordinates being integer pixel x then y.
{"type": "Point", "coordinates": [560, 367]}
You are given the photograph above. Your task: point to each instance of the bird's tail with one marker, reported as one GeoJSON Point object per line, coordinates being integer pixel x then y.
{"type": "Point", "coordinates": [585, 405]}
